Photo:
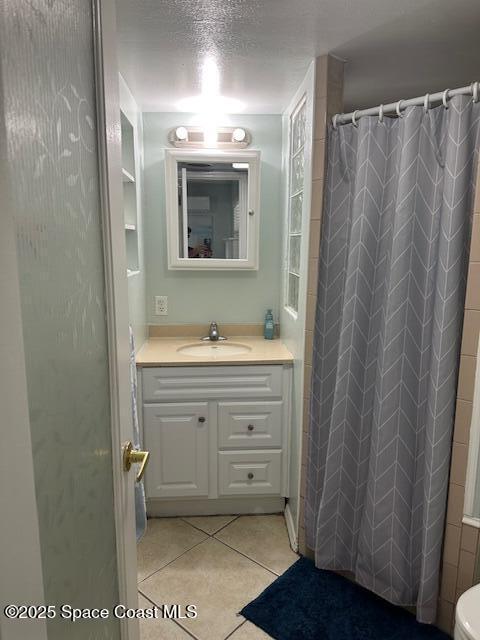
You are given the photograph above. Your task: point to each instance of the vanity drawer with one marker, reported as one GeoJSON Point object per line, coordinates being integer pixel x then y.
{"type": "Point", "coordinates": [249, 472]}
{"type": "Point", "coordinates": [207, 383]}
{"type": "Point", "coordinates": [250, 425]}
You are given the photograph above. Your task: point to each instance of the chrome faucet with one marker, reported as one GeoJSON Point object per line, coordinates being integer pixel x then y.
{"type": "Point", "coordinates": [213, 333]}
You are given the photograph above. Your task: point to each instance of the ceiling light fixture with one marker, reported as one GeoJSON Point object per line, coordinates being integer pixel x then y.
{"type": "Point", "coordinates": [240, 165]}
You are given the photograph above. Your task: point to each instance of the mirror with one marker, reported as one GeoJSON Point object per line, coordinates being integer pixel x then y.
{"type": "Point", "coordinates": [212, 209]}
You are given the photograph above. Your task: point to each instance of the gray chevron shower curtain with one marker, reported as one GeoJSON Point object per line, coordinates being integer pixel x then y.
{"type": "Point", "coordinates": [393, 257]}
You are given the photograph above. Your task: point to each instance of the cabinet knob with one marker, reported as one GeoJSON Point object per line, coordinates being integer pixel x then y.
{"type": "Point", "coordinates": [250, 427]}
{"type": "Point", "coordinates": [250, 476]}
{"type": "Point", "coordinates": [201, 419]}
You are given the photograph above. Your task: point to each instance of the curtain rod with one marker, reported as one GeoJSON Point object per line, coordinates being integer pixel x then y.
{"type": "Point", "coordinates": [396, 107]}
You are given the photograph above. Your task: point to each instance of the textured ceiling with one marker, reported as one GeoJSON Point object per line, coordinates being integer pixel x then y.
{"type": "Point", "coordinates": [393, 48]}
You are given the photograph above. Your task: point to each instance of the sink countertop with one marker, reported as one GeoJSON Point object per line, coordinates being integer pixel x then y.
{"type": "Point", "coordinates": [162, 352]}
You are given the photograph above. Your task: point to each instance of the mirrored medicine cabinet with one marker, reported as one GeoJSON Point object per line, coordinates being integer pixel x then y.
{"type": "Point", "coordinates": [212, 209]}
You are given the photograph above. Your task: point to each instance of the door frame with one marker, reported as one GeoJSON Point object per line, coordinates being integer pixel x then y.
{"type": "Point", "coordinates": [293, 324]}
{"type": "Point", "coordinates": [116, 290]}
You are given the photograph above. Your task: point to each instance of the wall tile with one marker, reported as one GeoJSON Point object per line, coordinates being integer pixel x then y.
{"type": "Point", "coordinates": [306, 415]}
{"type": "Point", "coordinates": [459, 463]}
{"type": "Point", "coordinates": [456, 494]}
{"type": "Point", "coordinates": [335, 72]}
{"type": "Point", "coordinates": [321, 76]}
{"type": "Point", "coordinates": [334, 102]}
{"type": "Point", "coordinates": [308, 347]}
{"type": "Point", "coordinates": [458, 593]}
{"type": "Point", "coordinates": [466, 568]}
{"type": "Point", "coordinates": [449, 582]}
{"type": "Point", "coordinates": [320, 129]}
{"type": "Point", "coordinates": [304, 455]}
{"type": "Point", "coordinates": [471, 330]}
{"type": "Point", "coordinates": [451, 547]}
{"type": "Point", "coordinates": [466, 378]}
{"type": "Point", "coordinates": [472, 300]}
{"type": "Point", "coordinates": [312, 275]}
{"type": "Point", "coordinates": [469, 539]}
{"type": "Point", "coordinates": [475, 243]}
{"type": "Point", "coordinates": [303, 481]}
{"type": "Point", "coordinates": [445, 615]}
{"type": "Point", "coordinates": [308, 381]}
{"type": "Point", "coordinates": [318, 168]}
{"type": "Point", "coordinates": [463, 418]}
{"type": "Point", "coordinates": [314, 249]}
{"type": "Point", "coordinates": [476, 575]}
{"type": "Point", "coordinates": [317, 200]}
{"type": "Point", "coordinates": [301, 540]}
{"type": "Point", "coordinates": [476, 204]}
{"type": "Point", "coordinates": [310, 312]}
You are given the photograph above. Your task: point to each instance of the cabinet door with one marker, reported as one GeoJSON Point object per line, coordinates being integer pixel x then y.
{"type": "Point", "coordinates": [176, 434]}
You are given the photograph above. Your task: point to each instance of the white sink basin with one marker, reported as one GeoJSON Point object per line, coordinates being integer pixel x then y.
{"type": "Point", "coordinates": [214, 349]}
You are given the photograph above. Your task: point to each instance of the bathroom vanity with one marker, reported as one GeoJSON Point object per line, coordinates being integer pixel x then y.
{"type": "Point", "coordinates": [216, 425]}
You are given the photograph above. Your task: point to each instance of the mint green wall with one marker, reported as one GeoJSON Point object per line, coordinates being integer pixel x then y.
{"type": "Point", "coordinates": [228, 296]}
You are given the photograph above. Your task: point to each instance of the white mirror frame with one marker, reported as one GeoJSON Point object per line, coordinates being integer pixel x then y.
{"type": "Point", "coordinates": [175, 262]}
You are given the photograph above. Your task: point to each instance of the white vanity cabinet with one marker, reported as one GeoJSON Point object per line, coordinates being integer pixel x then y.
{"type": "Point", "coordinates": [218, 437]}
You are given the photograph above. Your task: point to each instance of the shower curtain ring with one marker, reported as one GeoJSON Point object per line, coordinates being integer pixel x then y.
{"type": "Point", "coordinates": [354, 118]}
{"type": "Point", "coordinates": [426, 102]}
{"type": "Point", "coordinates": [398, 107]}
{"type": "Point", "coordinates": [380, 113]}
{"type": "Point", "coordinates": [445, 98]}
{"type": "Point", "coordinates": [475, 91]}
{"type": "Point", "coordinates": [334, 121]}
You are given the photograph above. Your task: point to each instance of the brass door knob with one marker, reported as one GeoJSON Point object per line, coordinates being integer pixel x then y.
{"type": "Point", "coordinates": [132, 456]}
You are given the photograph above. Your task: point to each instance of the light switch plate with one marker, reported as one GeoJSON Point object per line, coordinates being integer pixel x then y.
{"type": "Point", "coordinates": [161, 305]}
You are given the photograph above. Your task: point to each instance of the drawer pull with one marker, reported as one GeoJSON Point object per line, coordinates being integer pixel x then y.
{"type": "Point", "coordinates": [201, 419]}
{"type": "Point", "coordinates": [250, 476]}
{"type": "Point", "coordinates": [250, 427]}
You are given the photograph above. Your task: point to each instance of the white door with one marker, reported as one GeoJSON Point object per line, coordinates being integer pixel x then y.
{"type": "Point", "coordinates": [67, 526]}
{"type": "Point", "coordinates": [176, 434]}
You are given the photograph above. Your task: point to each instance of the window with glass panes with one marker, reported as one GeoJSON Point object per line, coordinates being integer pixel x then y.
{"type": "Point", "coordinates": [295, 205]}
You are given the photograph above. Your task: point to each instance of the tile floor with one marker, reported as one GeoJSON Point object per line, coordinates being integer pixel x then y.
{"type": "Point", "coordinates": [218, 563]}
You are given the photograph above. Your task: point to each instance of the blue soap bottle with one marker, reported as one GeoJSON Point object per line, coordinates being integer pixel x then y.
{"type": "Point", "coordinates": [269, 328]}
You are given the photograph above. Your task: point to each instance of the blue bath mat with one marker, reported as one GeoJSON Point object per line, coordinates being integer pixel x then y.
{"type": "Point", "coordinates": [306, 603]}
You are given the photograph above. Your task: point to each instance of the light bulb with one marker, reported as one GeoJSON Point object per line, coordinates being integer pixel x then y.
{"type": "Point", "coordinates": [181, 133]}
{"type": "Point", "coordinates": [239, 135]}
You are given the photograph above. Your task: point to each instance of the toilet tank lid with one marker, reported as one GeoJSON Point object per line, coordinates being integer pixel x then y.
{"type": "Point", "coordinates": [467, 614]}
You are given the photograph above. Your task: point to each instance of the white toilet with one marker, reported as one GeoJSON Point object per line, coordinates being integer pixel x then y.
{"type": "Point", "coordinates": [467, 615]}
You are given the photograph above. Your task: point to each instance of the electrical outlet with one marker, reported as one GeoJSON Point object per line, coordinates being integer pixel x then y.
{"type": "Point", "coordinates": [161, 305]}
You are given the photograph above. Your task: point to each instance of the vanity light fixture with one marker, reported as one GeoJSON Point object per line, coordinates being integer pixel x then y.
{"type": "Point", "coordinates": [209, 136]}
{"type": "Point", "coordinates": [181, 134]}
